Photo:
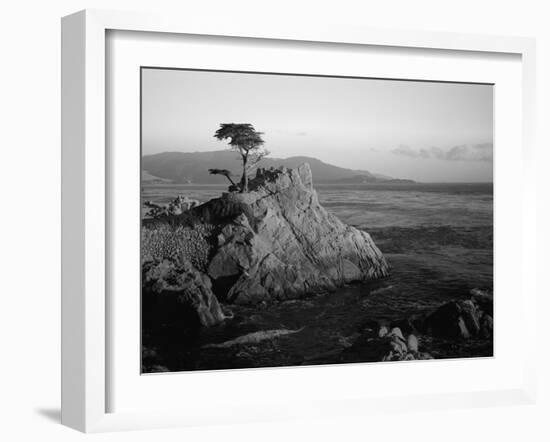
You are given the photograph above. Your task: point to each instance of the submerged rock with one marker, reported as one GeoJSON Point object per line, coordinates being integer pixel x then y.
{"type": "Point", "coordinates": [277, 242]}
{"type": "Point", "coordinates": [254, 338]}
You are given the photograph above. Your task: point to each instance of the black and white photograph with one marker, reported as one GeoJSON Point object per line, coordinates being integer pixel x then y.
{"type": "Point", "coordinates": [290, 220]}
{"type": "Point", "coordinates": [297, 220]}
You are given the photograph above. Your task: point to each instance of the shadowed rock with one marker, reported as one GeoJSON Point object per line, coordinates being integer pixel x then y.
{"type": "Point", "coordinates": [463, 319]}
{"type": "Point", "coordinates": [179, 289]}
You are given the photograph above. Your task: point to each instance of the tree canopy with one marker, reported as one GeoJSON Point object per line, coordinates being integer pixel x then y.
{"type": "Point", "coordinates": [248, 142]}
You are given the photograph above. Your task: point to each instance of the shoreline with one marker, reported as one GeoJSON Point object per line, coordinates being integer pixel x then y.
{"type": "Point", "coordinates": [431, 264]}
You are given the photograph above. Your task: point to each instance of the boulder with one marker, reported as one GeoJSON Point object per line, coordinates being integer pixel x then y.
{"type": "Point", "coordinates": [484, 299]}
{"type": "Point", "coordinates": [463, 331]}
{"type": "Point", "coordinates": [401, 350]}
{"type": "Point", "coordinates": [486, 326]}
{"type": "Point", "coordinates": [461, 319]}
{"type": "Point", "coordinates": [383, 331]}
{"type": "Point", "coordinates": [179, 291]}
{"type": "Point", "coordinates": [412, 343]}
{"type": "Point", "coordinates": [470, 314]}
{"type": "Point", "coordinates": [396, 331]}
{"type": "Point", "coordinates": [376, 346]}
{"type": "Point", "coordinates": [397, 345]}
{"type": "Point", "coordinates": [444, 321]}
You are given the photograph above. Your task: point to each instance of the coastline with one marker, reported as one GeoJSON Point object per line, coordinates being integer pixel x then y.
{"type": "Point", "coordinates": [416, 284]}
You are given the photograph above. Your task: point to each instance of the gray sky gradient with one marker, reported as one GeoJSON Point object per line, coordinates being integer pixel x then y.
{"type": "Point", "coordinates": [418, 130]}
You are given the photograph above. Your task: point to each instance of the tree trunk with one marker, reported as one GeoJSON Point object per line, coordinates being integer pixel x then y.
{"type": "Point", "coordinates": [230, 180]}
{"type": "Point", "coordinates": [244, 178]}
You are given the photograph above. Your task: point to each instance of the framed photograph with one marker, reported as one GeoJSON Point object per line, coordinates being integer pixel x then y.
{"type": "Point", "coordinates": [263, 222]}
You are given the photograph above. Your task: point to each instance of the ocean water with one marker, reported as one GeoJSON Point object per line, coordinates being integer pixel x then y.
{"type": "Point", "coordinates": [437, 238]}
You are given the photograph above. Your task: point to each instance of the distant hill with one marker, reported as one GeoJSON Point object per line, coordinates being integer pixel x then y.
{"type": "Point", "coordinates": [192, 167]}
{"type": "Point", "coordinates": [146, 177]}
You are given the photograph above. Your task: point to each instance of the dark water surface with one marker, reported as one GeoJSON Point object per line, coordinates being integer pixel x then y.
{"type": "Point", "coordinates": [437, 238]}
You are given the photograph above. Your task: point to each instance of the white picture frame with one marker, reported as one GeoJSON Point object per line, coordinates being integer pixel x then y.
{"type": "Point", "coordinates": [85, 310]}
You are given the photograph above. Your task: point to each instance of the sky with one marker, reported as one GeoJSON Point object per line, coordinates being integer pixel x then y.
{"type": "Point", "coordinates": [425, 131]}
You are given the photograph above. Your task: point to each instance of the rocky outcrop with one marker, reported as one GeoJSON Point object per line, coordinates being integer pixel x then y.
{"type": "Point", "coordinates": [456, 320]}
{"type": "Point", "coordinates": [175, 207]}
{"type": "Point", "coordinates": [274, 242]}
{"type": "Point", "coordinates": [277, 242]}
{"type": "Point", "coordinates": [459, 321]}
{"type": "Point", "coordinates": [464, 318]}
{"type": "Point", "coordinates": [394, 347]}
{"type": "Point", "coordinates": [179, 289]}
{"type": "Point", "coordinates": [387, 344]}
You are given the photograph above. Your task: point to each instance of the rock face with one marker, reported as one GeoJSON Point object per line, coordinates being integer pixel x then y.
{"type": "Point", "coordinates": [281, 243]}
{"type": "Point", "coordinates": [463, 319]}
{"type": "Point", "coordinates": [180, 290]}
{"type": "Point", "coordinates": [275, 242]}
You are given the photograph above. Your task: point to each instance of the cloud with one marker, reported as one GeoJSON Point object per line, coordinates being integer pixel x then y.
{"type": "Point", "coordinates": [407, 151]}
{"type": "Point", "coordinates": [463, 152]}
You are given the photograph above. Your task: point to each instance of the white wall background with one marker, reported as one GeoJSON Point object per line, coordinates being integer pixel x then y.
{"type": "Point", "coordinates": [30, 183]}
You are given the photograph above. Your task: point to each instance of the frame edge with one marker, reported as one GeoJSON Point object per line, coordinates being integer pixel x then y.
{"type": "Point", "coordinates": [83, 373]}
{"type": "Point", "coordinates": [83, 209]}
{"type": "Point", "coordinates": [73, 81]}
